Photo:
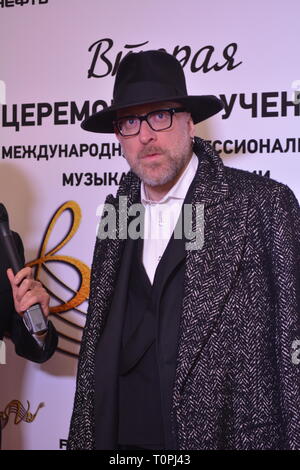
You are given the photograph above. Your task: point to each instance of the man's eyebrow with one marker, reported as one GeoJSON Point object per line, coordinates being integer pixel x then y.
{"type": "Point", "coordinates": [130, 115]}
{"type": "Point", "coordinates": [144, 114]}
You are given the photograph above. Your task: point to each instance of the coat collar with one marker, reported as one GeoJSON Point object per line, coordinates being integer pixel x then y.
{"type": "Point", "coordinates": [211, 186]}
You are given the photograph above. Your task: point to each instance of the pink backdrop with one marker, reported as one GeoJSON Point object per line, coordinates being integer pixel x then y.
{"type": "Point", "coordinates": [247, 53]}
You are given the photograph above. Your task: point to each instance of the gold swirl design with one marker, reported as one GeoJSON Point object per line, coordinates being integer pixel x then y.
{"type": "Point", "coordinates": [84, 271]}
{"type": "Point", "coordinates": [21, 413]}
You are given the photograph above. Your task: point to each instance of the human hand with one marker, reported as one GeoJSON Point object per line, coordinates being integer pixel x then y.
{"type": "Point", "coordinates": [27, 291]}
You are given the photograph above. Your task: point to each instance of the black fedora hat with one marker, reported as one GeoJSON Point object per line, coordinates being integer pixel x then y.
{"type": "Point", "coordinates": [149, 77]}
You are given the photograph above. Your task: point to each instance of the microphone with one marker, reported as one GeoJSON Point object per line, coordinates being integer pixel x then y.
{"type": "Point", "coordinates": [34, 319]}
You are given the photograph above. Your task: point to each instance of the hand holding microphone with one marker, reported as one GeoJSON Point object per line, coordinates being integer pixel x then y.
{"type": "Point", "coordinates": [29, 295]}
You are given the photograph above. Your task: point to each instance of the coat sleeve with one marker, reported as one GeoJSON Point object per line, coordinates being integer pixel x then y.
{"type": "Point", "coordinates": [286, 278]}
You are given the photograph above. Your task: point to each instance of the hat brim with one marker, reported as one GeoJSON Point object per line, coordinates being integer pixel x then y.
{"type": "Point", "coordinates": [201, 108]}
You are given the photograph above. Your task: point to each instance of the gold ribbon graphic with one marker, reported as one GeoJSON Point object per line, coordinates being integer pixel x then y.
{"type": "Point", "coordinates": [21, 413]}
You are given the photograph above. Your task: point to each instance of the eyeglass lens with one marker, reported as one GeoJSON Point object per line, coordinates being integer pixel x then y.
{"type": "Point", "coordinates": [158, 120]}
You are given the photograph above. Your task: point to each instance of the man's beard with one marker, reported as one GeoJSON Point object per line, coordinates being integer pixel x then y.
{"type": "Point", "coordinates": [168, 167]}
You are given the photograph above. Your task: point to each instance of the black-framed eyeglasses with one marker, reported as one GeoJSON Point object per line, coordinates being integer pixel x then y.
{"type": "Point", "coordinates": [158, 120]}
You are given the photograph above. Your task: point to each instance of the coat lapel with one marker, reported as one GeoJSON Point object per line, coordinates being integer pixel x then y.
{"type": "Point", "coordinates": [210, 271]}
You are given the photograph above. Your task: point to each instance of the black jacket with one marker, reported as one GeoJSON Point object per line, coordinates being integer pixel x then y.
{"type": "Point", "coordinates": [236, 385]}
{"type": "Point", "coordinates": [11, 324]}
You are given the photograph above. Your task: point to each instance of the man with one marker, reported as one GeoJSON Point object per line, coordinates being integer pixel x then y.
{"type": "Point", "coordinates": [17, 294]}
{"type": "Point", "coordinates": [188, 348]}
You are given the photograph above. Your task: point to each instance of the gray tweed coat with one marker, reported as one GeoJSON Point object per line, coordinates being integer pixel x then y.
{"type": "Point", "coordinates": [237, 382]}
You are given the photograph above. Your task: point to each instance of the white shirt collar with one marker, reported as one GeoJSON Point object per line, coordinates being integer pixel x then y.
{"type": "Point", "coordinates": [180, 188]}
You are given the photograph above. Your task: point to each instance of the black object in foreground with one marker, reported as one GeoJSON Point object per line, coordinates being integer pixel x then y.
{"type": "Point", "coordinates": [33, 317]}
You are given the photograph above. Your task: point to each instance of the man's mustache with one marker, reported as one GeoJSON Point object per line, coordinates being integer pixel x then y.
{"type": "Point", "coordinates": [150, 151]}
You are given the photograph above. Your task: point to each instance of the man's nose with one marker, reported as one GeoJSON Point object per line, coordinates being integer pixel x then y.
{"type": "Point", "coordinates": [146, 133]}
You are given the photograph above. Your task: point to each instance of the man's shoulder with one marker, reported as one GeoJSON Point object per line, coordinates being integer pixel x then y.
{"type": "Point", "coordinates": [253, 185]}
{"type": "Point", "coordinates": [258, 188]}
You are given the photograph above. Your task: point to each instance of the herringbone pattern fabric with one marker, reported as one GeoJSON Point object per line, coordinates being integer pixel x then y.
{"type": "Point", "coordinates": [236, 385]}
